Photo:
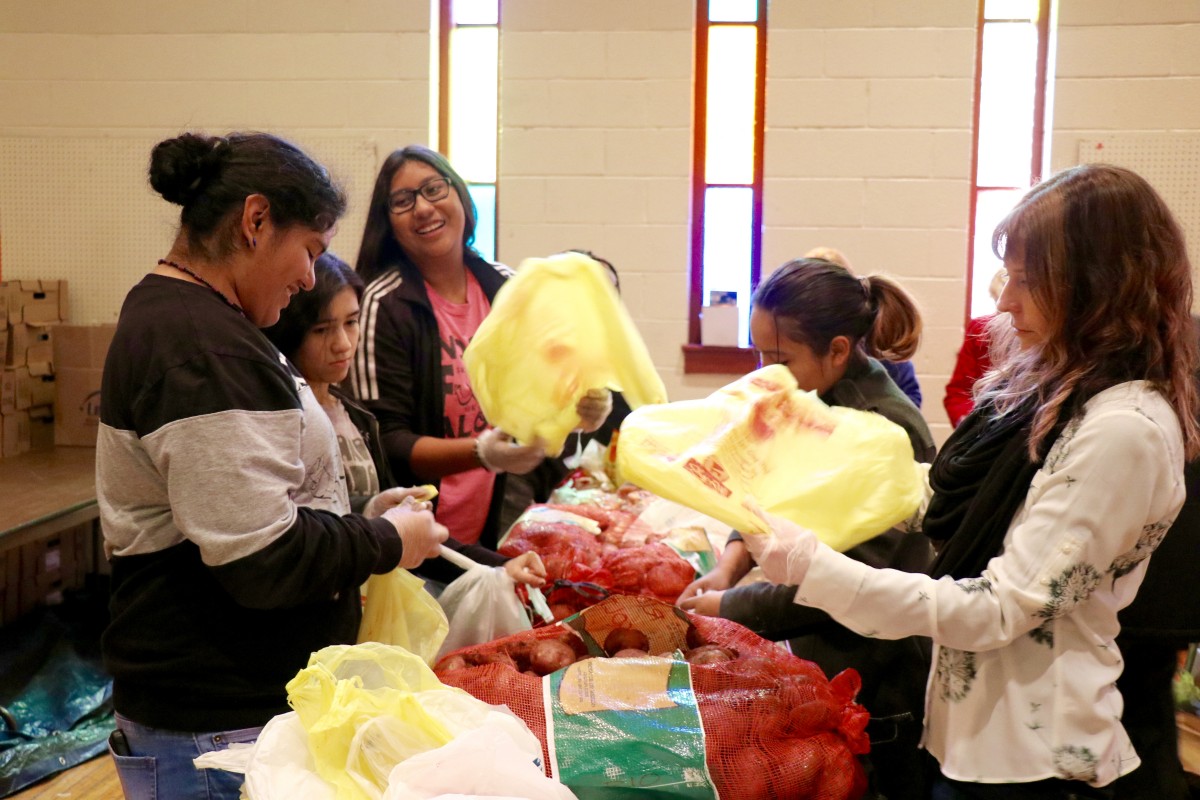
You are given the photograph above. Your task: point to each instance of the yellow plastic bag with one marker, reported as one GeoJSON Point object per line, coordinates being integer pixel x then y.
{"type": "Point", "coordinates": [847, 475]}
{"type": "Point", "coordinates": [556, 329]}
{"type": "Point", "coordinates": [368, 707]}
{"type": "Point", "coordinates": [401, 612]}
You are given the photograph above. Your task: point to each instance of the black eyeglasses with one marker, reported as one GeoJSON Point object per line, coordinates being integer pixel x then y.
{"type": "Point", "coordinates": [402, 201]}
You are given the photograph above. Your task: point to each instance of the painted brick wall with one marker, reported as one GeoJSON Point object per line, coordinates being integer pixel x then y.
{"type": "Point", "coordinates": [868, 121]}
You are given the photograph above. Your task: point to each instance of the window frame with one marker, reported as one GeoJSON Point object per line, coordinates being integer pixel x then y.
{"type": "Point", "coordinates": [710, 359]}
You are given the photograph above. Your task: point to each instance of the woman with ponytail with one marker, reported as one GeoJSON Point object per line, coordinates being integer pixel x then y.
{"type": "Point", "coordinates": [831, 329]}
{"type": "Point", "coordinates": [1046, 502]}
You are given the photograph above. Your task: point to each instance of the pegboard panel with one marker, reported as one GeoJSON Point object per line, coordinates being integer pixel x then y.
{"type": "Point", "coordinates": [1170, 162]}
{"type": "Point", "coordinates": [81, 209]}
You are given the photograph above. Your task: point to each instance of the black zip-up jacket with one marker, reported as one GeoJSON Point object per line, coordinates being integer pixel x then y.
{"type": "Point", "coordinates": [397, 371]}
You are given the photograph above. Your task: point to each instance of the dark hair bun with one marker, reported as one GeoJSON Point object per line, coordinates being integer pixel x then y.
{"type": "Point", "coordinates": [181, 167]}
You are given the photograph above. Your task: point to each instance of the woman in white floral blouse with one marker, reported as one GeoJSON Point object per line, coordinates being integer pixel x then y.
{"type": "Point", "coordinates": [1046, 502]}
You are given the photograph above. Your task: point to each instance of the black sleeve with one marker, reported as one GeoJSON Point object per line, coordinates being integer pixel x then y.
{"type": "Point", "coordinates": [769, 610]}
{"type": "Point", "coordinates": [315, 559]}
{"type": "Point", "coordinates": [389, 391]}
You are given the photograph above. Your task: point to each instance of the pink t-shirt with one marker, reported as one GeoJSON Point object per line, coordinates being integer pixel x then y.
{"type": "Point", "coordinates": [464, 497]}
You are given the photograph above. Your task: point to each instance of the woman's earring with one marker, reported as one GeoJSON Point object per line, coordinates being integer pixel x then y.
{"type": "Point", "coordinates": [253, 243]}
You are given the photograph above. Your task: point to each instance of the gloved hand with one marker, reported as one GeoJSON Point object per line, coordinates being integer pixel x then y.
{"type": "Point", "coordinates": [593, 408]}
{"type": "Point", "coordinates": [419, 533]}
{"type": "Point", "coordinates": [785, 555]}
{"type": "Point", "coordinates": [526, 568]}
{"type": "Point", "coordinates": [499, 453]}
{"type": "Point", "coordinates": [390, 498]}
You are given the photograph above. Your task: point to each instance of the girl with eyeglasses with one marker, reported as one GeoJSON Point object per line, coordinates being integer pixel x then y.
{"type": "Point", "coordinates": [427, 292]}
{"type": "Point", "coordinates": [1046, 502]}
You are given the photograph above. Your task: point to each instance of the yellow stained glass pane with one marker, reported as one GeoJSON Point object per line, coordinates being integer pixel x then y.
{"type": "Point", "coordinates": [474, 74]}
{"type": "Point", "coordinates": [1010, 9]}
{"type": "Point", "coordinates": [729, 124]}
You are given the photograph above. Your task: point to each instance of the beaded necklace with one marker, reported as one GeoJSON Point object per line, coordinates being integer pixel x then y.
{"type": "Point", "coordinates": [217, 291]}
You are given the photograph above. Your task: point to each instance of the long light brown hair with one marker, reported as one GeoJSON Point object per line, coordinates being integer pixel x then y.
{"type": "Point", "coordinates": [1107, 266]}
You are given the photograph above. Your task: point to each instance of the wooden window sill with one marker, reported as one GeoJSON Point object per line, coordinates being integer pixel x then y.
{"type": "Point", "coordinates": [701, 359]}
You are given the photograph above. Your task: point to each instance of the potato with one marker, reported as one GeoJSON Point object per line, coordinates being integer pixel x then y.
{"type": "Point", "coordinates": [499, 657]}
{"type": "Point", "coordinates": [626, 639]}
{"type": "Point", "coordinates": [630, 652]}
{"type": "Point", "coordinates": [551, 655]}
{"type": "Point", "coordinates": [451, 663]}
{"type": "Point", "coordinates": [709, 654]}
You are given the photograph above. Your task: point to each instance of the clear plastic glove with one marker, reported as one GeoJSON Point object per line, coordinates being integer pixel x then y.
{"type": "Point", "coordinates": [593, 408]}
{"type": "Point", "coordinates": [390, 498]}
{"type": "Point", "coordinates": [419, 532]}
{"type": "Point", "coordinates": [785, 556]}
{"type": "Point", "coordinates": [499, 453]}
{"type": "Point", "coordinates": [527, 568]}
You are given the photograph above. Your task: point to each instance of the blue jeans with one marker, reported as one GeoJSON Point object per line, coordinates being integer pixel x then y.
{"type": "Point", "coordinates": [159, 765]}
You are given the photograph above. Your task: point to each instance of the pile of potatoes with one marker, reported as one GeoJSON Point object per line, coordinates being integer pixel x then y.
{"type": "Point", "coordinates": [546, 654]}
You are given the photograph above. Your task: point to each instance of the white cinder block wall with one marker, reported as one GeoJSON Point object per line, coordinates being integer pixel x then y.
{"type": "Point", "coordinates": [868, 119]}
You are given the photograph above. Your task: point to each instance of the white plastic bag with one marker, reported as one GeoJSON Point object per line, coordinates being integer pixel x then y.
{"type": "Point", "coordinates": [481, 605]}
{"type": "Point", "coordinates": [485, 762]}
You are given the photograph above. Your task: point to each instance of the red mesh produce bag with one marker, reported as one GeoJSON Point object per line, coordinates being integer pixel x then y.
{"type": "Point", "coordinates": [598, 546]}
{"type": "Point", "coordinates": [773, 725]}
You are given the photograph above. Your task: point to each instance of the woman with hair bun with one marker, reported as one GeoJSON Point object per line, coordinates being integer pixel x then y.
{"type": "Point", "coordinates": [831, 328]}
{"type": "Point", "coordinates": [228, 528]}
{"type": "Point", "coordinates": [1046, 502]}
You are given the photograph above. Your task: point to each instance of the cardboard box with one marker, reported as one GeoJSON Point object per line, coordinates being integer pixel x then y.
{"type": "Point", "coordinates": [82, 346]}
{"type": "Point", "coordinates": [14, 434]}
{"type": "Point", "coordinates": [77, 407]}
{"type": "Point", "coordinates": [31, 346]}
{"type": "Point", "coordinates": [79, 352]}
{"type": "Point", "coordinates": [41, 428]}
{"type": "Point", "coordinates": [35, 302]}
{"type": "Point", "coordinates": [20, 389]}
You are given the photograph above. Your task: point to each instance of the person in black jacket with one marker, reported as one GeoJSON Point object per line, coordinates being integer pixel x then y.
{"type": "Point", "coordinates": [319, 332]}
{"type": "Point", "coordinates": [822, 322]}
{"type": "Point", "coordinates": [233, 548]}
{"type": "Point", "coordinates": [1162, 620]}
{"type": "Point", "coordinates": [427, 292]}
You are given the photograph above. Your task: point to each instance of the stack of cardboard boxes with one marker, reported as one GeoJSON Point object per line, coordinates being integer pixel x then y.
{"type": "Point", "coordinates": [31, 310]}
{"type": "Point", "coordinates": [50, 383]}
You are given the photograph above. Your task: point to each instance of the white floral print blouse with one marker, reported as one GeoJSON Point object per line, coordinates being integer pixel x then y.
{"type": "Point", "coordinates": [1024, 664]}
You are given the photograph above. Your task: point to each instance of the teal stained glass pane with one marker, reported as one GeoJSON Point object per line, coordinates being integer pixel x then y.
{"type": "Point", "coordinates": [728, 238]}
{"type": "Point", "coordinates": [484, 196]}
{"type": "Point", "coordinates": [1008, 85]}
{"type": "Point", "coordinates": [732, 10]}
{"type": "Point", "coordinates": [475, 12]}
{"type": "Point", "coordinates": [474, 72]}
{"type": "Point", "coordinates": [729, 131]}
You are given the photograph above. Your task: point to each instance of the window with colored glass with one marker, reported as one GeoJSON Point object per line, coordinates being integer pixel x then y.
{"type": "Point", "coordinates": [726, 248]}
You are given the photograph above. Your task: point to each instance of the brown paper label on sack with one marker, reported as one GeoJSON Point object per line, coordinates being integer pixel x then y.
{"type": "Point", "coordinates": [619, 684]}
